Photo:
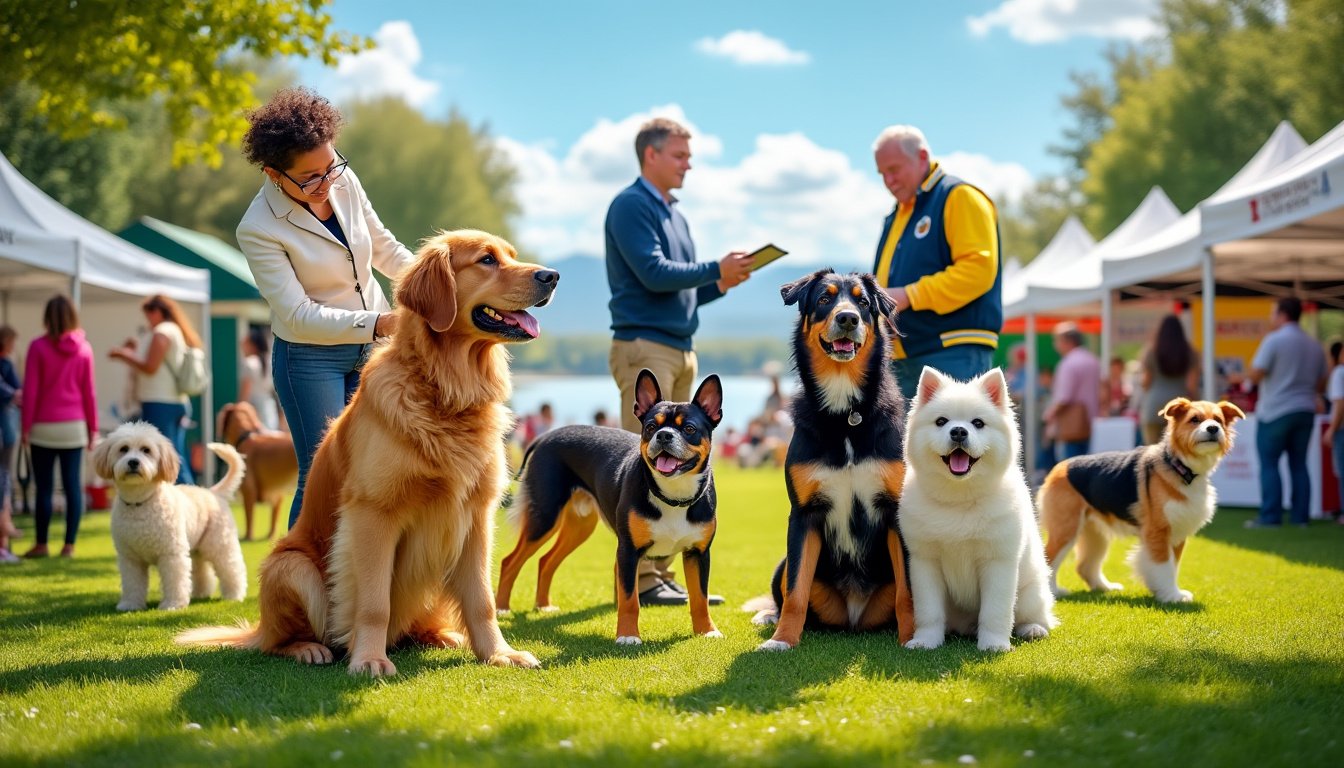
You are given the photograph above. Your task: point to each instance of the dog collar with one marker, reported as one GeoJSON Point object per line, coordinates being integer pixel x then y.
{"type": "Point", "coordinates": [243, 438]}
{"type": "Point", "coordinates": [1187, 474]}
{"type": "Point", "coordinates": [704, 483]}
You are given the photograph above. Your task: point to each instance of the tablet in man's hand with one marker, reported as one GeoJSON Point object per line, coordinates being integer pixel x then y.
{"type": "Point", "coordinates": [764, 255]}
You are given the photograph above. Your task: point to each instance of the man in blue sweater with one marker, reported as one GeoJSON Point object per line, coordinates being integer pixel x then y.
{"type": "Point", "coordinates": [656, 288]}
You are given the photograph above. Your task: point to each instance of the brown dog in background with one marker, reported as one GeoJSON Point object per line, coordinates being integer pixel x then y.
{"type": "Point", "coordinates": [394, 539]}
{"type": "Point", "coordinates": [272, 467]}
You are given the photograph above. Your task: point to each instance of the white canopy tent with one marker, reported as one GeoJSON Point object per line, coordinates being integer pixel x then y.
{"type": "Point", "coordinates": [46, 249]}
{"type": "Point", "coordinates": [1069, 242]}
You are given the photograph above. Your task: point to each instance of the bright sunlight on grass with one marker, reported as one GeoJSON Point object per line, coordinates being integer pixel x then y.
{"type": "Point", "coordinates": [1251, 674]}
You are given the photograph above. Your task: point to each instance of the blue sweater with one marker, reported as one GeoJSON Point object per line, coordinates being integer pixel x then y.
{"type": "Point", "coordinates": [9, 383]}
{"type": "Point", "coordinates": [656, 284]}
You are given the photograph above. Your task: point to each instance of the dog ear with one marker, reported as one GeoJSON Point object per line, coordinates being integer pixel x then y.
{"type": "Point", "coordinates": [710, 398]}
{"type": "Point", "coordinates": [222, 420]}
{"type": "Point", "coordinates": [169, 462]}
{"type": "Point", "coordinates": [994, 385]}
{"type": "Point", "coordinates": [886, 306]}
{"type": "Point", "coordinates": [1230, 411]}
{"type": "Point", "coordinates": [930, 381]}
{"type": "Point", "coordinates": [792, 293]}
{"type": "Point", "coordinates": [101, 458]}
{"type": "Point", "coordinates": [647, 393]}
{"type": "Point", "coordinates": [1174, 410]}
{"type": "Point", "coordinates": [428, 288]}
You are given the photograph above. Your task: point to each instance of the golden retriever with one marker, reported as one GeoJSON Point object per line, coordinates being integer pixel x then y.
{"type": "Point", "coordinates": [394, 538]}
{"type": "Point", "coordinates": [272, 467]}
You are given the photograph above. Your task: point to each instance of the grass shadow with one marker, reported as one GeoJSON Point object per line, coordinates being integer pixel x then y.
{"type": "Point", "coordinates": [1321, 543]}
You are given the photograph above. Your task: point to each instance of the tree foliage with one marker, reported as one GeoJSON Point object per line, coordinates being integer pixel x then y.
{"type": "Point", "coordinates": [423, 175]}
{"type": "Point", "coordinates": [87, 58]}
{"type": "Point", "coordinates": [1188, 114]}
{"type": "Point", "coordinates": [1027, 224]}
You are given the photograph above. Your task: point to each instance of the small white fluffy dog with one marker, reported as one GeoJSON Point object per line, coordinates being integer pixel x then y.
{"type": "Point", "coordinates": [188, 532]}
{"type": "Point", "coordinates": [977, 564]}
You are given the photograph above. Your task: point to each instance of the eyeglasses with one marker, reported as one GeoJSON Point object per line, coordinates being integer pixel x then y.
{"type": "Point", "coordinates": [331, 175]}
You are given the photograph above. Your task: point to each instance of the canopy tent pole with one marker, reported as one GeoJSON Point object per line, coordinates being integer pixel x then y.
{"type": "Point", "coordinates": [77, 278]}
{"type": "Point", "coordinates": [1029, 415]}
{"type": "Point", "coordinates": [1209, 290]}
{"type": "Point", "coordinates": [1106, 353]}
{"type": "Point", "coordinates": [207, 415]}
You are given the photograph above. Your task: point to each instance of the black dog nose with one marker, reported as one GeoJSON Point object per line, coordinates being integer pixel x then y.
{"type": "Point", "coordinates": [547, 277]}
{"type": "Point", "coordinates": [1212, 429]}
{"type": "Point", "coordinates": [664, 437]}
{"type": "Point", "coordinates": [847, 320]}
{"type": "Point", "coordinates": [133, 464]}
{"type": "Point", "coordinates": [959, 434]}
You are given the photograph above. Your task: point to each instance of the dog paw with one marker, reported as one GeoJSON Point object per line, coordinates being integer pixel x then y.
{"type": "Point", "coordinates": [174, 606]}
{"type": "Point", "coordinates": [373, 667]}
{"type": "Point", "coordinates": [502, 611]}
{"type": "Point", "coordinates": [774, 645]}
{"type": "Point", "coordinates": [548, 608]}
{"type": "Point", "coordinates": [1058, 591]}
{"type": "Point", "coordinates": [125, 606]}
{"type": "Point", "coordinates": [712, 633]}
{"type": "Point", "coordinates": [1031, 631]}
{"type": "Point", "coordinates": [442, 639]}
{"type": "Point", "coordinates": [765, 617]}
{"type": "Point", "coordinates": [311, 653]}
{"type": "Point", "coordinates": [628, 640]}
{"type": "Point", "coordinates": [511, 658]}
{"type": "Point", "coordinates": [1179, 596]}
{"type": "Point", "coordinates": [925, 641]}
{"type": "Point", "coordinates": [995, 644]}
{"type": "Point", "coordinates": [1102, 585]}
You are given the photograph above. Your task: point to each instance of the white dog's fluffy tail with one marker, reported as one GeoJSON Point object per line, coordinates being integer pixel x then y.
{"type": "Point", "coordinates": [232, 479]}
{"type": "Point", "coordinates": [244, 635]}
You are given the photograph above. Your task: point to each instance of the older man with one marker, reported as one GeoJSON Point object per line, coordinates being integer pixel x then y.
{"type": "Point", "coordinates": [939, 259]}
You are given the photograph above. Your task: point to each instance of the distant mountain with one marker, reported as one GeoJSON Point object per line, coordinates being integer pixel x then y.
{"type": "Point", "coordinates": [751, 310]}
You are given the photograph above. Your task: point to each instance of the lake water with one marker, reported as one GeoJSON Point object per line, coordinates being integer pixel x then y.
{"type": "Point", "coordinates": [576, 398]}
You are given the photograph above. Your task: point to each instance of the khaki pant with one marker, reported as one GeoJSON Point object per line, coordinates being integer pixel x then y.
{"type": "Point", "coordinates": [675, 371]}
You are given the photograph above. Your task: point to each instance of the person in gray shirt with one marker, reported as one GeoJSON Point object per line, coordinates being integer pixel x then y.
{"type": "Point", "coordinates": [1290, 368]}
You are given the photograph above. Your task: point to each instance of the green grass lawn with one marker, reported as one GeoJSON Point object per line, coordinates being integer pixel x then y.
{"type": "Point", "coordinates": [1250, 674]}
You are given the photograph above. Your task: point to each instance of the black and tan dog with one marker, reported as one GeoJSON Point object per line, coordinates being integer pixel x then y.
{"type": "Point", "coordinates": [1160, 492]}
{"type": "Point", "coordinates": [655, 490]}
{"type": "Point", "coordinates": [845, 566]}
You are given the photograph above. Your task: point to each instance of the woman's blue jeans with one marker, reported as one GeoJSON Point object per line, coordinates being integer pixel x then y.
{"type": "Point", "coordinates": [1337, 456]}
{"type": "Point", "coordinates": [44, 478]}
{"type": "Point", "coordinates": [168, 418]}
{"type": "Point", "coordinates": [314, 382]}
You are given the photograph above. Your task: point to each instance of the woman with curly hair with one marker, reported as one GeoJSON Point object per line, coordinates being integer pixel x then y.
{"type": "Point", "coordinates": [313, 240]}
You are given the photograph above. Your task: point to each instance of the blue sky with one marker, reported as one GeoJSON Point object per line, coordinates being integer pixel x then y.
{"type": "Point", "coordinates": [784, 99]}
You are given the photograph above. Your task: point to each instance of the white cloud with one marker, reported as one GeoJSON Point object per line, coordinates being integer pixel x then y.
{"type": "Point", "coordinates": [1001, 181]}
{"type": "Point", "coordinates": [751, 48]}
{"type": "Point", "coordinates": [387, 68]}
{"type": "Point", "coordinates": [1050, 21]}
{"type": "Point", "coordinates": [806, 198]}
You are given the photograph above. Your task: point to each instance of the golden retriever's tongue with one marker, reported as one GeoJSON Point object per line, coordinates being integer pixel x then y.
{"type": "Point", "coordinates": [959, 462]}
{"type": "Point", "coordinates": [843, 345]}
{"type": "Point", "coordinates": [666, 463]}
{"type": "Point", "coordinates": [523, 320]}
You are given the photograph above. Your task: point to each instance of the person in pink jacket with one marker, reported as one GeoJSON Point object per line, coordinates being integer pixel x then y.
{"type": "Point", "coordinates": [60, 417]}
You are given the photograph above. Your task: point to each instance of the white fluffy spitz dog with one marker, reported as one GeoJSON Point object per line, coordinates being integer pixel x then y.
{"type": "Point", "coordinates": [977, 564]}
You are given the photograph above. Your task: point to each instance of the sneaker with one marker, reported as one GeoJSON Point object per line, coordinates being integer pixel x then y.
{"type": "Point", "coordinates": [68, 550]}
{"type": "Point", "coordinates": [38, 550]}
{"type": "Point", "coordinates": [9, 558]}
{"type": "Point", "coordinates": [662, 593]}
{"type": "Point", "coordinates": [712, 599]}
{"type": "Point", "coordinates": [1255, 523]}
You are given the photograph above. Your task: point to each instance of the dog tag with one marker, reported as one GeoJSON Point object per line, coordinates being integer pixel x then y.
{"type": "Point", "coordinates": [854, 419]}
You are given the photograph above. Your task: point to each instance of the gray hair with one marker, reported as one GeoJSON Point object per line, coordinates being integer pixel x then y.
{"type": "Point", "coordinates": [654, 134]}
{"type": "Point", "coordinates": [910, 139]}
